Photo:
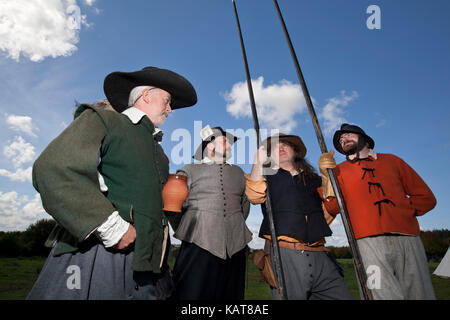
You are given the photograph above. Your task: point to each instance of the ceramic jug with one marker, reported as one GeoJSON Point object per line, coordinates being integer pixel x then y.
{"type": "Point", "coordinates": [174, 192]}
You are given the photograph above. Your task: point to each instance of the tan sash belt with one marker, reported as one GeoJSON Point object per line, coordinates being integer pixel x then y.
{"type": "Point", "coordinates": [300, 246]}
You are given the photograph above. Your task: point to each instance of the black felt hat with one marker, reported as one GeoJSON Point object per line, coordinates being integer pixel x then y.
{"type": "Point", "coordinates": [118, 85]}
{"type": "Point", "coordinates": [215, 132]}
{"type": "Point", "coordinates": [350, 128]}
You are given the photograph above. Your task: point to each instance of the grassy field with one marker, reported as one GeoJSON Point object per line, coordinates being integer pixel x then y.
{"type": "Point", "coordinates": [17, 276]}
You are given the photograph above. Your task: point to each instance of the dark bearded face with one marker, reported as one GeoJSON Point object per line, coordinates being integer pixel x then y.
{"type": "Point", "coordinates": [349, 143]}
{"type": "Point", "coordinates": [222, 147]}
{"type": "Point", "coordinates": [350, 147]}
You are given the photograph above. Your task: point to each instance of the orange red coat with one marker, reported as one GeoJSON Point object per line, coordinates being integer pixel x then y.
{"type": "Point", "coordinates": [382, 195]}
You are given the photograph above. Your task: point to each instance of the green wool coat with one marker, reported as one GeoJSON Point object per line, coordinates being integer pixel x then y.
{"type": "Point", "coordinates": [134, 168]}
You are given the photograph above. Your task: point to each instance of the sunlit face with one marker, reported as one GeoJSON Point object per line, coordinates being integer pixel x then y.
{"type": "Point", "coordinates": [157, 105]}
{"type": "Point", "coordinates": [221, 147]}
{"type": "Point", "coordinates": [349, 141]}
{"type": "Point", "coordinates": [282, 153]}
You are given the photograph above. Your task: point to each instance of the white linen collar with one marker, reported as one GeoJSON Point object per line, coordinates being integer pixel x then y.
{"type": "Point", "coordinates": [135, 115]}
{"type": "Point", "coordinates": [372, 153]}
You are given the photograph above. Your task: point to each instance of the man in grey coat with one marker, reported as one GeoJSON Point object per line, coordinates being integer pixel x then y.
{"type": "Point", "coordinates": [212, 258]}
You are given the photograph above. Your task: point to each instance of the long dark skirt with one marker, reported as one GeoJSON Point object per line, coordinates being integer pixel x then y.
{"type": "Point", "coordinates": [199, 275]}
{"type": "Point", "coordinates": [96, 273]}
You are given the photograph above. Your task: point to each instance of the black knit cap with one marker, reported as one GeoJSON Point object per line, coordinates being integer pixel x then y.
{"type": "Point", "coordinates": [118, 85]}
{"type": "Point", "coordinates": [349, 128]}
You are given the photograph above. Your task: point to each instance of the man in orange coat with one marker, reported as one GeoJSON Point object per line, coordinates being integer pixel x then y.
{"type": "Point", "coordinates": [383, 196]}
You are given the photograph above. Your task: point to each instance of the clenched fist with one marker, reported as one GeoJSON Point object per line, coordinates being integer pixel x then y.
{"type": "Point", "coordinates": [128, 238]}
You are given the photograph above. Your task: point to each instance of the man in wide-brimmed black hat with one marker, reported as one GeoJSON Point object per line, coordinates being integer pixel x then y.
{"type": "Point", "coordinates": [101, 180]}
{"type": "Point", "coordinates": [211, 261]}
{"type": "Point", "coordinates": [383, 196]}
{"type": "Point", "coordinates": [301, 223]}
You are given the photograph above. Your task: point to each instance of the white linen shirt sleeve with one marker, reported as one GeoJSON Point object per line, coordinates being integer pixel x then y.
{"type": "Point", "coordinates": [111, 231]}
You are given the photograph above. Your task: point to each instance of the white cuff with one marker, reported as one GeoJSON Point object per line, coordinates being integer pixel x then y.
{"type": "Point", "coordinates": [111, 231]}
{"type": "Point", "coordinates": [101, 180]}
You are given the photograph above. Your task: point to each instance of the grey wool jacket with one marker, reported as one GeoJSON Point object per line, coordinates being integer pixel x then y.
{"type": "Point", "coordinates": [215, 210]}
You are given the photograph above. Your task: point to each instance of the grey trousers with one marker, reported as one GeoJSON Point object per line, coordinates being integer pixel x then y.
{"type": "Point", "coordinates": [94, 274]}
{"type": "Point", "coordinates": [396, 267]}
{"type": "Point", "coordinates": [312, 276]}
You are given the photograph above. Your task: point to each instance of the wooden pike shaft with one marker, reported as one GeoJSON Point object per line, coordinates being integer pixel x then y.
{"type": "Point", "coordinates": [281, 285]}
{"type": "Point", "coordinates": [360, 271]}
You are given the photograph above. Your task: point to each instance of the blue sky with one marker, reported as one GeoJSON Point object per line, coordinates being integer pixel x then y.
{"type": "Point", "coordinates": [394, 82]}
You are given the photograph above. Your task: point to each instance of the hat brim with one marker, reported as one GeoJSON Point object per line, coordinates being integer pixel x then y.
{"type": "Point", "coordinates": [118, 85]}
{"type": "Point", "coordinates": [337, 136]}
{"type": "Point", "coordinates": [293, 139]}
{"type": "Point", "coordinates": [200, 154]}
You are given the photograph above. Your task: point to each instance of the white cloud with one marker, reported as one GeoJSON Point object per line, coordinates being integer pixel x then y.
{"type": "Point", "coordinates": [9, 202]}
{"type": "Point", "coordinates": [19, 152]}
{"type": "Point", "coordinates": [18, 212]}
{"type": "Point", "coordinates": [20, 174]}
{"type": "Point", "coordinates": [257, 242]}
{"type": "Point", "coordinates": [90, 3]}
{"type": "Point", "coordinates": [338, 238]}
{"type": "Point", "coordinates": [40, 28]}
{"type": "Point", "coordinates": [381, 123]}
{"type": "Point", "coordinates": [333, 112]}
{"type": "Point", "coordinates": [32, 209]}
{"type": "Point", "coordinates": [277, 104]}
{"type": "Point", "coordinates": [21, 123]}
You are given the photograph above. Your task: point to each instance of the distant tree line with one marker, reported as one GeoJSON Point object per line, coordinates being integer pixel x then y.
{"type": "Point", "coordinates": [435, 242]}
{"type": "Point", "coordinates": [31, 242]}
{"type": "Point", "coordinates": [27, 243]}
